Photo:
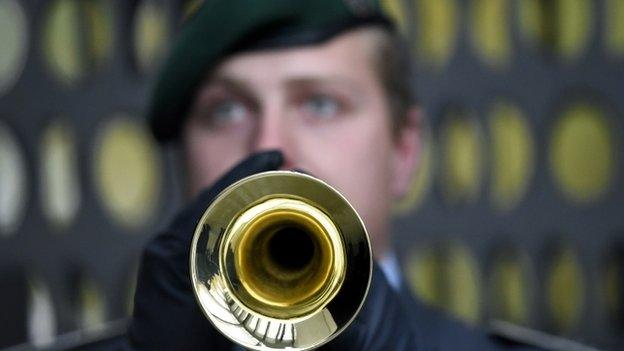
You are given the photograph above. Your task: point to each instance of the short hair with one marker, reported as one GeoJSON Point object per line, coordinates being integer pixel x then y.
{"type": "Point", "coordinates": [394, 67]}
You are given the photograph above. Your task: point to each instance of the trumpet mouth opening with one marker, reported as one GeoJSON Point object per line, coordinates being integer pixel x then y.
{"type": "Point", "coordinates": [288, 259]}
{"type": "Point", "coordinates": [288, 262]}
{"type": "Point", "coordinates": [291, 248]}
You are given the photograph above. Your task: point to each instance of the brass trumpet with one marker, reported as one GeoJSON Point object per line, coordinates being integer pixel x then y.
{"type": "Point", "coordinates": [280, 260]}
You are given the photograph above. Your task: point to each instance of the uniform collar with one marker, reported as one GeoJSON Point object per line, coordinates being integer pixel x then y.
{"type": "Point", "coordinates": [389, 265]}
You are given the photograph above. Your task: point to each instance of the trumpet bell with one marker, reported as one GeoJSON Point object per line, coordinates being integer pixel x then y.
{"type": "Point", "coordinates": [280, 260]}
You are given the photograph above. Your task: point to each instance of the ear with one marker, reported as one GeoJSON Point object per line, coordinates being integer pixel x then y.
{"type": "Point", "coordinates": [407, 148]}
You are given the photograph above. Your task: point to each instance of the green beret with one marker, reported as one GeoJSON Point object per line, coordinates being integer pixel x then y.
{"type": "Point", "coordinates": [219, 28]}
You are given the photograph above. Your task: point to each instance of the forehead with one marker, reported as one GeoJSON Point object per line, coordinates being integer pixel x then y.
{"type": "Point", "coordinates": [348, 56]}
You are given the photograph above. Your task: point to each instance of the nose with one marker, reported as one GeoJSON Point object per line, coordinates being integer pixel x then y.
{"type": "Point", "coordinates": [273, 133]}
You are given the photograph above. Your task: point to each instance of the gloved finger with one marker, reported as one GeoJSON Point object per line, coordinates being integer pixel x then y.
{"type": "Point", "coordinates": [300, 170]}
{"type": "Point", "coordinates": [256, 163]}
{"type": "Point", "coordinates": [173, 245]}
{"type": "Point", "coordinates": [164, 291]}
{"type": "Point", "coordinates": [259, 162]}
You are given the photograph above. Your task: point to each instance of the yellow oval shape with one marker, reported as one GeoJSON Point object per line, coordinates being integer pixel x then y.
{"type": "Point", "coordinates": [614, 27]}
{"type": "Point", "coordinates": [14, 39]}
{"type": "Point", "coordinates": [582, 153]}
{"type": "Point", "coordinates": [151, 34]}
{"type": "Point", "coordinates": [77, 37]}
{"type": "Point", "coordinates": [565, 290]}
{"type": "Point", "coordinates": [464, 284]}
{"type": "Point", "coordinates": [437, 30]}
{"type": "Point", "coordinates": [91, 305]}
{"type": "Point", "coordinates": [447, 277]}
{"type": "Point", "coordinates": [127, 171]}
{"type": "Point", "coordinates": [462, 159]}
{"type": "Point", "coordinates": [490, 31]}
{"type": "Point", "coordinates": [562, 27]}
{"type": "Point", "coordinates": [510, 287]}
{"type": "Point", "coordinates": [423, 266]}
{"type": "Point", "coordinates": [395, 9]}
{"type": "Point", "coordinates": [421, 180]}
{"type": "Point", "coordinates": [60, 182]}
{"type": "Point", "coordinates": [512, 155]}
{"type": "Point", "coordinates": [13, 182]}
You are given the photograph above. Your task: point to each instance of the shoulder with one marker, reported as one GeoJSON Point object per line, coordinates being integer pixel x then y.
{"type": "Point", "coordinates": [441, 332]}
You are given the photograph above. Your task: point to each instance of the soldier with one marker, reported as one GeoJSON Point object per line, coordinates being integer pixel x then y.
{"type": "Point", "coordinates": [319, 85]}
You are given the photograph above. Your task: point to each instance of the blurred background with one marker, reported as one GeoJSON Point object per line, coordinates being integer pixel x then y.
{"type": "Point", "coordinates": [517, 212]}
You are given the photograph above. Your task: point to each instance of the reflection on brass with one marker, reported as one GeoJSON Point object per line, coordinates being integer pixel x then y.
{"type": "Point", "coordinates": [280, 260]}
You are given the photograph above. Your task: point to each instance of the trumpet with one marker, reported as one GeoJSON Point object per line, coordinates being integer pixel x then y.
{"type": "Point", "coordinates": [280, 260]}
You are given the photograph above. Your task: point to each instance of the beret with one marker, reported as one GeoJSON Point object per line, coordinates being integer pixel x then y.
{"type": "Point", "coordinates": [218, 28]}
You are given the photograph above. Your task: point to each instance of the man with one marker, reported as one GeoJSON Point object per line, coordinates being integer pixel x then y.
{"type": "Point", "coordinates": [320, 86]}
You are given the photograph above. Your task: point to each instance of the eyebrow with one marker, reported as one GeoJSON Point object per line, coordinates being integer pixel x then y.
{"type": "Point", "coordinates": [321, 81]}
{"type": "Point", "coordinates": [230, 83]}
{"type": "Point", "coordinates": [240, 86]}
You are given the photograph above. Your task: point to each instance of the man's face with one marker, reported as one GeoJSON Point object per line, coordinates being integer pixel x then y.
{"type": "Point", "coordinates": [323, 106]}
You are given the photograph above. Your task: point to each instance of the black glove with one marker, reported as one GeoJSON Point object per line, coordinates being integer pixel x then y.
{"type": "Point", "coordinates": [166, 315]}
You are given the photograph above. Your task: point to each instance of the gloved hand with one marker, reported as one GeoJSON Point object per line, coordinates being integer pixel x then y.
{"type": "Point", "coordinates": [166, 315]}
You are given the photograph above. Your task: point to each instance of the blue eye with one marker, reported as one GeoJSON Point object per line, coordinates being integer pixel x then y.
{"type": "Point", "coordinates": [322, 106]}
{"type": "Point", "coordinates": [229, 112]}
